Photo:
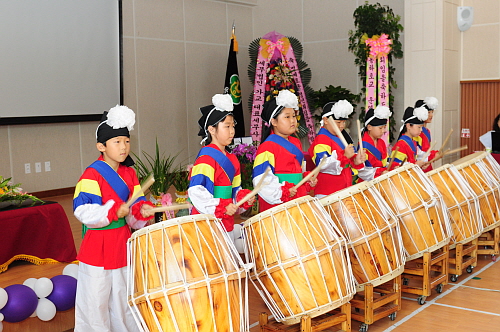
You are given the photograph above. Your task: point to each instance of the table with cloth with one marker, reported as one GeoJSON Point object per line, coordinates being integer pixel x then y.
{"type": "Point", "coordinates": [40, 234]}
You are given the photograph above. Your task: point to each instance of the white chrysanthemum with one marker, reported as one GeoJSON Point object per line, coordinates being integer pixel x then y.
{"type": "Point", "coordinates": [421, 113]}
{"type": "Point", "coordinates": [287, 99]}
{"type": "Point", "coordinates": [121, 117]}
{"type": "Point", "coordinates": [342, 109]}
{"type": "Point", "coordinates": [431, 102]}
{"type": "Point", "coordinates": [382, 112]}
{"type": "Point", "coordinates": [223, 102]}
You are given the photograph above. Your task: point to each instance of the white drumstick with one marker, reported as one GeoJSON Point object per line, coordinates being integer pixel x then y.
{"type": "Point", "coordinates": [149, 181]}
{"type": "Point", "coordinates": [256, 190]}
{"type": "Point", "coordinates": [337, 131]}
{"type": "Point", "coordinates": [170, 207]}
{"type": "Point", "coordinates": [310, 176]}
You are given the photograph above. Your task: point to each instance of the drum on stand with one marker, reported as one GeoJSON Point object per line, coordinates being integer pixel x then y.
{"type": "Point", "coordinates": [461, 202]}
{"type": "Point", "coordinates": [414, 200]}
{"type": "Point", "coordinates": [372, 231]}
{"type": "Point", "coordinates": [485, 187]}
{"type": "Point", "coordinates": [186, 276]}
{"type": "Point", "coordinates": [300, 260]}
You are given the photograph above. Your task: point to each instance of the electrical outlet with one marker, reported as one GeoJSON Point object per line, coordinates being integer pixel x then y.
{"type": "Point", "coordinates": [38, 167]}
{"type": "Point", "coordinates": [47, 166]}
{"type": "Point", "coordinates": [27, 168]}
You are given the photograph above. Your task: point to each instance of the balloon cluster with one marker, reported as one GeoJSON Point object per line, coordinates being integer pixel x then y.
{"type": "Point", "coordinates": [39, 297]}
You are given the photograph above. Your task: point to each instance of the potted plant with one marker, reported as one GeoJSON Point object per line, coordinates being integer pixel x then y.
{"type": "Point", "coordinates": [160, 166]}
{"type": "Point", "coordinates": [181, 185]}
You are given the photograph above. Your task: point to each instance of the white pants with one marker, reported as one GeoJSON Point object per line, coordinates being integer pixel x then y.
{"type": "Point", "coordinates": [101, 301]}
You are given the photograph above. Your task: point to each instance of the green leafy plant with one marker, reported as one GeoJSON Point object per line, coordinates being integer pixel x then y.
{"type": "Point", "coordinates": [181, 177]}
{"type": "Point", "coordinates": [370, 20]}
{"type": "Point", "coordinates": [160, 166]}
{"type": "Point", "coordinates": [331, 93]}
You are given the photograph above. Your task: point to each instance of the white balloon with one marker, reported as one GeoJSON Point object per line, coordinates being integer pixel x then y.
{"type": "Point", "coordinates": [71, 270]}
{"type": "Point", "coordinates": [43, 287]}
{"type": "Point", "coordinates": [240, 245]}
{"type": "Point", "coordinates": [1, 326]}
{"type": "Point", "coordinates": [1, 317]}
{"type": "Point", "coordinates": [4, 297]}
{"type": "Point", "coordinates": [30, 282]}
{"type": "Point", "coordinates": [45, 310]}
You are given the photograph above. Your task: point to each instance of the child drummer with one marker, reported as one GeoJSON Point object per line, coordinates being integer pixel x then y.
{"type": "Point", "coordinates": [375, 147]}
{"type": "Point", "coordinates": [215, 178]}
{"type": "Point", "coordinates": [99, 203]}
{"type": "Point", "coordinates": [281, 152]}
{"type": "Point", "coordinates": [424, 139]}
{"type": "Point", "coordinates": [413, 121]}
{"type": "Point", "coordinates": [336, 172]}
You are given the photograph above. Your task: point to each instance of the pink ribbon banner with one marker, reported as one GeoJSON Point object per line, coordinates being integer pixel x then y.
{"type": "Point", "coordinates": [276, 49]}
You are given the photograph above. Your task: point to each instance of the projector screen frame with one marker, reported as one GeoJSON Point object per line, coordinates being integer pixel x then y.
{"type": "Point", "coordinates": [81, 117]}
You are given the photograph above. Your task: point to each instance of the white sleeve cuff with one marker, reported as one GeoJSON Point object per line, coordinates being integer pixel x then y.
{"type": "Point", "coordinates": [271, 188]}
{"type": "Point", "coordinates": [202, 199]}
{"type": "Point", "coordinates": [332, 165]}
{"type": "Point", "coordinates": [94, 215]}
{"type": "Point", "coordinates": [367, 173]}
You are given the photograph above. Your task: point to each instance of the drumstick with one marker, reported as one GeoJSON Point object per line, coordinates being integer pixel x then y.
{"type": "Point", "coordinates": [393, 155]}
{"type": "Point", "coordinates": [403, 161]}
{"type": "Point", "coordinates": [337, 131]}
{"type": "Point", "coordinates": [456, 150]}
{"type": "Point", "coordinates": [360, 139]}
{"type": "Point", "coordinates": [256, 190]}
{"type": "Point", "coordinates": [446, 140]}
{"type": "Point", "coordinates": [170, 207]}
{"type": "Point", "coordinates": [309, 176]}
{"type": "Point", "coordinates": [149, 181]}
{"type": "Point", "coordinates": [428, 151]}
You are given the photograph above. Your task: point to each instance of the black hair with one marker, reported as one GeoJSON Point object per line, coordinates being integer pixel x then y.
{"type": "Point", "coordinates": [404, 130]}
{"type": "Point", "coordinates": [495, 123]}
{"type": "Point", "coordinates": [209, 136]}
{"type": "Point", "coordinates": [266, 131]}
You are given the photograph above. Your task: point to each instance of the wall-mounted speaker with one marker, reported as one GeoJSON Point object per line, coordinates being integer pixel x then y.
{"type": "Point", "coordinates": [465, 17]}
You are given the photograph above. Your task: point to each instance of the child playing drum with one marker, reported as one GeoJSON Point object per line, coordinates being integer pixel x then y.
{"type": "Point", "coordinates": [215, 178]}
{"type": "Point", "coordinates": [99, 203]}
{"type": "Point", "coordinates": [281, 152]}
{"type": "Point", "coordinates": [424, 139]}
{"type": "Point", "coordinates": [413, 121]}
{"type": "Point", "coordinates": [375, 147]}
{"type": "Point", "coordinates": [336, 172]}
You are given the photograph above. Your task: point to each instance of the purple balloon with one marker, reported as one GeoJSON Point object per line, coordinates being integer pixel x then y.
{"type": "Point", "coordinates": [64, 293]}
{"type": "Point", "coordinates": [21, 303]}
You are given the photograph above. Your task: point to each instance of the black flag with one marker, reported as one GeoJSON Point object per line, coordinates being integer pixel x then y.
{"type": "Point", "coordinates": [232, 86]}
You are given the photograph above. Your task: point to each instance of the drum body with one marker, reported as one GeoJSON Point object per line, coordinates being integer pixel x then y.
{"type": "Point", "coordinates": [185, 275]}
{"type": "Point", "coordinates": [415, 201]}
{"type": "Point", "coordinates": [461, 203]}
{"type": "Point", "coordinates": [300, 260]}
{"type": "Point", "coordinates": [372, 232]}
{"type": "Point", "coordinates": [485, 187]}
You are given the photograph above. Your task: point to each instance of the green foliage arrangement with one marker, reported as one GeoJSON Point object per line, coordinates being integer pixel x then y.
{"type": "Point", "coordinates": [160, 166]}
{"type": "Point", "coordinates": [331, 93]}
{"type": "Point", "coordinates": [370, 20]}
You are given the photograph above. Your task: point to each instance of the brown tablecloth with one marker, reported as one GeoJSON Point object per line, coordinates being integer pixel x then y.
{"type": "Point", "coordinates": [39, 234]}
